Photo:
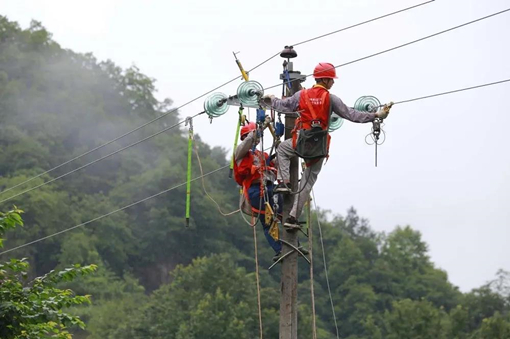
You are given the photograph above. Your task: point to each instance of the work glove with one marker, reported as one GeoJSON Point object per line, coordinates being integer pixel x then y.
{"type": "Point", "coordinates": [384, 112]}
{"type": "Point", "coordinates": [268, 99]}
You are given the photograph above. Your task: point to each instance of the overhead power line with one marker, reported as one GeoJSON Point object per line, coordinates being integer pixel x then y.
{"type": "Point", "coordinates": [200, 96]}
{"type": "Point", "coordinates": [341, 65]}
{"type": "Point", "coordinates": [451, 92]}
{"type": "Point", "coordinates": [219, 169]}
{"type": "Point", "coordinates": [404, 45]}
{"type": "Point", "coordinates": [362, 23]}
{"type": "Point", "coordinates": [110, 213]}
{"type": "Point", "coordinates": [343, 29]}
{"type": "Point", "coordinates": [97, 160]}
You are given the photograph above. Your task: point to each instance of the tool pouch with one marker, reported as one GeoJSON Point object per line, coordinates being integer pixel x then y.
{"type": "Point", "coordinates": [312, 144]}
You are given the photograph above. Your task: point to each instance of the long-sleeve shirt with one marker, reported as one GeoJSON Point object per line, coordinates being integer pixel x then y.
{"type": "Point", "coordinates": [291, 104]}
{"type": "Point", "coordinates": [242, 150]}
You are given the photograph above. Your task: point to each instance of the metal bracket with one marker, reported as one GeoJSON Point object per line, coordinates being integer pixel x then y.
{"type": "Point", "coordinates": [293, 249]}
{"type": "Point", "coordinates": [189, 121]}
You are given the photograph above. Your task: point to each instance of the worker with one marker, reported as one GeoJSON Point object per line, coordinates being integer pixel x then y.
{"type": "Point", "coordinates": [310, 138]}
{"type": "Point", "coordinates": [251, 166]}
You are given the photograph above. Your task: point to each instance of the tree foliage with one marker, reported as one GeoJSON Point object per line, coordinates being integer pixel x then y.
{"type": "Point", "coordinates": [34, 309]}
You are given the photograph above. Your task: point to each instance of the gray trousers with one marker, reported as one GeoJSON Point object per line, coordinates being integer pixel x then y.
{"type": "Point", "coordinates": [284, 153]}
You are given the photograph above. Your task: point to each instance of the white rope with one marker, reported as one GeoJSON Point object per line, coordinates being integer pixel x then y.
{"type": "Point", "coordinates": [203, 185]}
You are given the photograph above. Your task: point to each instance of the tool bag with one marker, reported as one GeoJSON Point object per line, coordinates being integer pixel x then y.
{"type": "Point", "coordinates": [312, 144]}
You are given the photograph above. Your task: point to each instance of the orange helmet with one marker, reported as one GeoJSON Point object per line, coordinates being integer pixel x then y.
{"type": "Point", "coordinates": [324, 70]}
{"type": "Point", "coordinates": [248, 128]}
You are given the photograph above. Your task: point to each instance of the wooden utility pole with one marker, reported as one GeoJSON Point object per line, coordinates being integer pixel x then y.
{"type": "Point", "coordinates": [288, 301]}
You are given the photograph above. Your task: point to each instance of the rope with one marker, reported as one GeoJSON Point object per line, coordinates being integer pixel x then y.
{"type": "Point", "coordinates": [325, 265]}
{"type": "Point", "coordinates": [97, 160]}
{"type": "Point", "coordinates": [203, 185]}
{"type": "Point", "coordinates": [310, 245]}
{"type": "Point", "coordinates": [110, 213]}
{"type": "Point", "coordinates": [258, 281]}
{"type": "Point", "coordinates": [405, 44]}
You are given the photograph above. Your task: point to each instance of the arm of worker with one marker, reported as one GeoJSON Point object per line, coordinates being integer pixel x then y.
{"type": "Point", "coordinates": [244, 147]}
{"type": "Point", "coordinates": [287, 105]}
{"type": "Point", "coordinates": [350, 113]}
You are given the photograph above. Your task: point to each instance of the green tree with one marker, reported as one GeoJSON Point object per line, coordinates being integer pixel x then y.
{"type": "Point", "coordinates": [214, 298]}
{"type": "Point", "coordinates": [495, 327]}
{"type": "Point", "coordinates": [413, 319]}
{"type": "Point", "coordinates": [35, 309]}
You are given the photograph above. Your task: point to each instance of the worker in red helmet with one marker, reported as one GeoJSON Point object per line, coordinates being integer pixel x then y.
{"type": "Point", "coordinates": [251, 169]}
{"type": "Point", "coordinates": [310, 136]}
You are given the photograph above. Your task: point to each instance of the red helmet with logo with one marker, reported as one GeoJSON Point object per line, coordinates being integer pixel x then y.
{"type": "Point", "coordinates": [324, 70]}
{"type": "Point", "coordinates": [248, 128]}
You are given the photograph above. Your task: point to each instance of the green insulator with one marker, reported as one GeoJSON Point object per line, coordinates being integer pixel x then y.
{"type": "Point", "coordinates": [335, 123]}
{"type": "Point", "coordinates": [249, 93]}
{"type": "Point", "coordinates": [216, 105]}
{"type": "Point", "coordinates": [367, 103]}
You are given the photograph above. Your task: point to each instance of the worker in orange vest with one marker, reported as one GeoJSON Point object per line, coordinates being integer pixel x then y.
{"type": "Point", "coordinates": [310, 136]}
{"type": "Point", "coordinates": [251, 166]}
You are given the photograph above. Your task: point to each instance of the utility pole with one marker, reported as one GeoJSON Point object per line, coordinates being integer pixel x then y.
{"type": "Point", "coordinates": [288, 301]}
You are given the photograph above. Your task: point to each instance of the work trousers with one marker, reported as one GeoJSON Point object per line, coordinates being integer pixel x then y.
{"type": "Point", "coordinates": [285, 153]}
{"type": "Point", "coordinates": [256, 202]}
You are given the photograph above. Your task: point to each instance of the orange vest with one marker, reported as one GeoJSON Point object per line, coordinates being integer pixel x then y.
{"type": "Point", "coordinates": [246, 172]}
{"type": "Point", "coordinates": [314, 109]}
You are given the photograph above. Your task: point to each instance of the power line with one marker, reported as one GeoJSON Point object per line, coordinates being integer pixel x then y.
{"type": "Point", "coordinates": [112, 212]}
{"type": "Point", "coordinates": [151, 136]}
{"type": "Point", "coordinates": [343, 29]}
{"type": "Point", "coordinates": [403, 45]}
{"type": "Point", "coordinates": [450, 92]}
{"type": "Point", "coordinates": [362, 23]}
{"type": "Point", "coordinates": [193, 100]}
{"type": "Point", "coordinates": [97, 160]}
{"type": "Point", "coordinates": [118, 138]}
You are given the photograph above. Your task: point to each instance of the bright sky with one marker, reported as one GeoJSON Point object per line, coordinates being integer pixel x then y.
{"type": "Point", "coordinates": [443, 169]}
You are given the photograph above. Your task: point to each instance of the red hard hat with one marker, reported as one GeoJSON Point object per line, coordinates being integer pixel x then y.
{"type": "Point", "coordinates": [324, 70]}
{"type": "Point", "coordinates": [248, 128]}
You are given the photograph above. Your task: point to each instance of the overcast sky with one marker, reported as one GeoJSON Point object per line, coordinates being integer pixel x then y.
{"type": "Point", "coordinates": [444, 168]}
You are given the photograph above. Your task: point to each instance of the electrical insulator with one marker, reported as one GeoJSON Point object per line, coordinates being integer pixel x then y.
{"type": "Point", "coordinates": [367, 103]}
{"type": "Point", "coordinates": [216, 105]}
{"type": "Point", "coordinates": [335, 122]}
{"type": "Point", "coordinates": [249, 93]}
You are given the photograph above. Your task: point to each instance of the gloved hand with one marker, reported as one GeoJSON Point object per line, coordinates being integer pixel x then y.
{"type": "Point", "coordinates": [383, 114]}
{"type": "Point", "coordinates": [267, 99]}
